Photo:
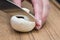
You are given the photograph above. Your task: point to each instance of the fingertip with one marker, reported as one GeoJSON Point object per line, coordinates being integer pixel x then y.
{"type": "Point", "coordinates": [38, 27]}
{"type": "Point", "coordinates": [17, 2]}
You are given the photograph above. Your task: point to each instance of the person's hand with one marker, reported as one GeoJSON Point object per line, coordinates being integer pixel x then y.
{"type": "Point", "coordinates": [41, 8]}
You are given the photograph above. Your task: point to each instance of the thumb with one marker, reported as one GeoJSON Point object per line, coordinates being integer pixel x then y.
{"type": "Point", "coordinates": [38, 9]}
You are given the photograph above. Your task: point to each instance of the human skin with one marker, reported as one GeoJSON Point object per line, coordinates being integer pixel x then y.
{"type": "Point", "coordinates": [41, 8]}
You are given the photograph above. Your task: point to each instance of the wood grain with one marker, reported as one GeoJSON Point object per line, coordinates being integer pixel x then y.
{"type": "Point", "coordinates": [50, 31]}
{"type": "Point", "coordinates": [55, 3]}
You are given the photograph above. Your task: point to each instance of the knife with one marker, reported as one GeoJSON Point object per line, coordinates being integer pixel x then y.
{"type": "Point", "coordinates": [9, 7]}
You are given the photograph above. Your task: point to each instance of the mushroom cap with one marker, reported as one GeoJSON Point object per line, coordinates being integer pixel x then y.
{"type": "Point", "coordinates": [22, 23]}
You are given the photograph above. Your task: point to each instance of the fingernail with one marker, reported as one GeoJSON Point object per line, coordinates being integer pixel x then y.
{"type": "Point", "coordinates": [39, 25]}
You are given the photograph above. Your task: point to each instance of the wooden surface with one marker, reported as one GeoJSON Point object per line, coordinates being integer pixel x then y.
{"type": "Point", "coordinates": [55, 3]}
{"type": "Point", "coordinates": [50, 31]}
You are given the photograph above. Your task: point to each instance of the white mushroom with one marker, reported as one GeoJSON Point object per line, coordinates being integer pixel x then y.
{"type": "Point", "coordinates": [21, 23]}
{"type": "Point", "coordinates": [25, 9]}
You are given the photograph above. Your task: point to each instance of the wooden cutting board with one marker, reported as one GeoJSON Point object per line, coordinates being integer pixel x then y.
{"type": "Point", "coordinates": [50, 31]}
